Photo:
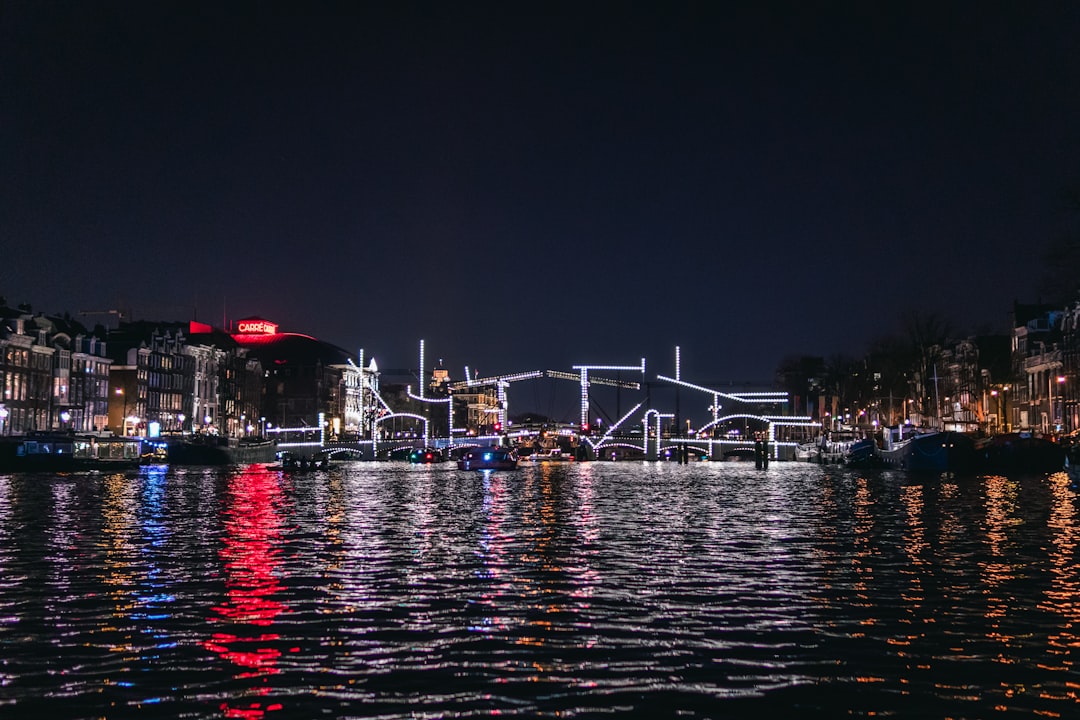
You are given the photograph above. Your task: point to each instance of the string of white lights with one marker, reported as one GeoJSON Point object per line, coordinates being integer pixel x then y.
{"type": "Point", "coordinates": [612, 428]}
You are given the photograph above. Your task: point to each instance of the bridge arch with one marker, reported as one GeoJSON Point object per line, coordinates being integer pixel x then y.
{"type": "Point", "coordinates": [391, 416]}
{"type": "Point", "coordinates": [658, 416]}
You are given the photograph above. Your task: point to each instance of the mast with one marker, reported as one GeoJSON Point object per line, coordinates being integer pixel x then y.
{"type": "Point", "coordinates": [937, 400]}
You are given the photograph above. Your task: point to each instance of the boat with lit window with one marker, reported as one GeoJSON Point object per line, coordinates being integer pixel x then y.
{"type": "Point", "coordinates": [488, 458]}
{"type": "Point", "coordinates": [68, 452]}
{"type": "Point", "coordinates": [551, 455]}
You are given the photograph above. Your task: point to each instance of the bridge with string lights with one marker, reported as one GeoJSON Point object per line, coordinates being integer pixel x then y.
{"type": "Point", "coordinates": [741, 422]}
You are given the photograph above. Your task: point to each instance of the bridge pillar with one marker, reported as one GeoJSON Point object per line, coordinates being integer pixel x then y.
{"type": "Point", "coordinates": [761, 454]}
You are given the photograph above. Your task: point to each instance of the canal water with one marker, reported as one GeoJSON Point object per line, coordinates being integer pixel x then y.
{"type": "Point", "coordinates": [382, 590]}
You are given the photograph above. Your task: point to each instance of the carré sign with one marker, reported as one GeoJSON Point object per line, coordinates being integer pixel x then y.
{"type": "Point", "coordinates": [256, 327]}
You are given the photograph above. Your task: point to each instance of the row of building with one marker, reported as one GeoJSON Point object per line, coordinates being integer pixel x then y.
{"type": "Point", "coordinates": [162, 379]}
{"type": "Point", "coordinates": [1027, 380]}
{"type": "Point", "coordinates": [156, 379]}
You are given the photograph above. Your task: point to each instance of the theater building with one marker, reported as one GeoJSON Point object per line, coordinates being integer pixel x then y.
{"type": "Point", "coordinates": [306, 379]}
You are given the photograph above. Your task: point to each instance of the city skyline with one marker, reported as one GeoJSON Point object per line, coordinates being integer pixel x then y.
{"type": "Point", "coordinates": [547, 185]}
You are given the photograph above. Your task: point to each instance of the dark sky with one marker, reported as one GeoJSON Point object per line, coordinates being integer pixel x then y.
{"type": "Point", "coordinates": [535, 185]}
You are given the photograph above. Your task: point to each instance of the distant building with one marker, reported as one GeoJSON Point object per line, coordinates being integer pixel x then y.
{"type": "Point", "coordinates": [476, 410]}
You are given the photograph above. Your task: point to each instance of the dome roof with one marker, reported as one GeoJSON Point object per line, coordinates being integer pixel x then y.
{"type": "Point", "coordinates": [291, 349]}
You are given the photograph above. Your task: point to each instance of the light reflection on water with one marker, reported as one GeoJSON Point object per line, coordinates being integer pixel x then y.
{"type": "Point", "coordinates": [388, 590]}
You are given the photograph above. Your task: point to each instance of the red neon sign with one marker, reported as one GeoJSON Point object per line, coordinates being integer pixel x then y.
{"type": "Point", "coordinates": [260, 327]}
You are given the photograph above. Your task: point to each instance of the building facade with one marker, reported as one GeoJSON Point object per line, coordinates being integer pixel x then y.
{"type": "Point", "coordinates": [26, 363]}
{"type": "Point", "coordinates": [54, 375]}
{"type": "Point", "coordinates": [1035, 396]}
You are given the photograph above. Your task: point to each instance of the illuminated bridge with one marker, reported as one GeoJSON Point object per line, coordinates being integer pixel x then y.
{"type": "Point", "coordinates": [646, 431]}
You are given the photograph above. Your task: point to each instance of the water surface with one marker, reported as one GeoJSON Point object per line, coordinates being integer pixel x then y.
{"type": "Point", "coordinates": [593, 589]}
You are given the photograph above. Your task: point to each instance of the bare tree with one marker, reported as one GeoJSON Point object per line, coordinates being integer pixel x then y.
{"type": "Point", "coordinates": [927, 333]}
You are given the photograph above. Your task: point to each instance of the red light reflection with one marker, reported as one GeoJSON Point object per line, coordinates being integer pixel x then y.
{"type": "Point", "coordinates": [252, 561]}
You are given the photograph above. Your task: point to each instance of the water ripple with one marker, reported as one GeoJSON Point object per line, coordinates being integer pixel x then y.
{"type": "Point", "coordinates": [387, 590]}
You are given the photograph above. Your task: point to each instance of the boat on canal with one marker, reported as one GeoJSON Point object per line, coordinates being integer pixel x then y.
{"type": "Point", "coordinates": [937, 451]}
{"type": "Point", "coordinates": [831, 448]}
{"type": "Point", "coordinates": [550, 455]}
{"type": "Point", "coordinates": [1072, 464]}
{"type": "Point", "coordinates": [214, 450]}
{"type": "Point", "coordinates": [488, 458]}
{"type": "Point", "coordinates": [69, 452]}
{"type": "Point", "coordinates": [863, 454]}
{"type": "Point", "coordinates": [1020, 451]}
{"type": "Point", "coordinates": [426, 456]}
{"type": "Point", "coordinates": [295, 462]}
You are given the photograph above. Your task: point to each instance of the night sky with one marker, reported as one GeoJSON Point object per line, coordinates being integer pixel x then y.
{"type": "Point", "coordinates": [536, 185]}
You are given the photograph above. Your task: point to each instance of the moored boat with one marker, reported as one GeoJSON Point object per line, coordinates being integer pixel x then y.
{"type": "Point", "coordinates": [1072, 464]}
{"type": "Point", "coordinates": [488, 458]}
{"type": "Point", "coordinates": [830, 448]}
{"type": "Point", "coordinates": [808, 451]}
{"type": "Point", "coordinates": [944, 451]}
{"type": "Point", "coordinates": [68, 452]}
{"type": "Point", "coordinates": [1020, 452]}
{"type": "Point", "coordinates": [549, 455]}
{"type": "Point", "coordinates": [210, 450]}
{"type": "Point", "coordinates": [863, 454]}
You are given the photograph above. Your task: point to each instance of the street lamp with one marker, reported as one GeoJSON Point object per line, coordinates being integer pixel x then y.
{"type": "Point", "coordinates": [123, 418]}
{"type": "Point", "coordinates": [1060, 416]}
{"type": "Point", "coordinates": [1005, 408]}
{"type": "Point", "coordinates": [997, 409]}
